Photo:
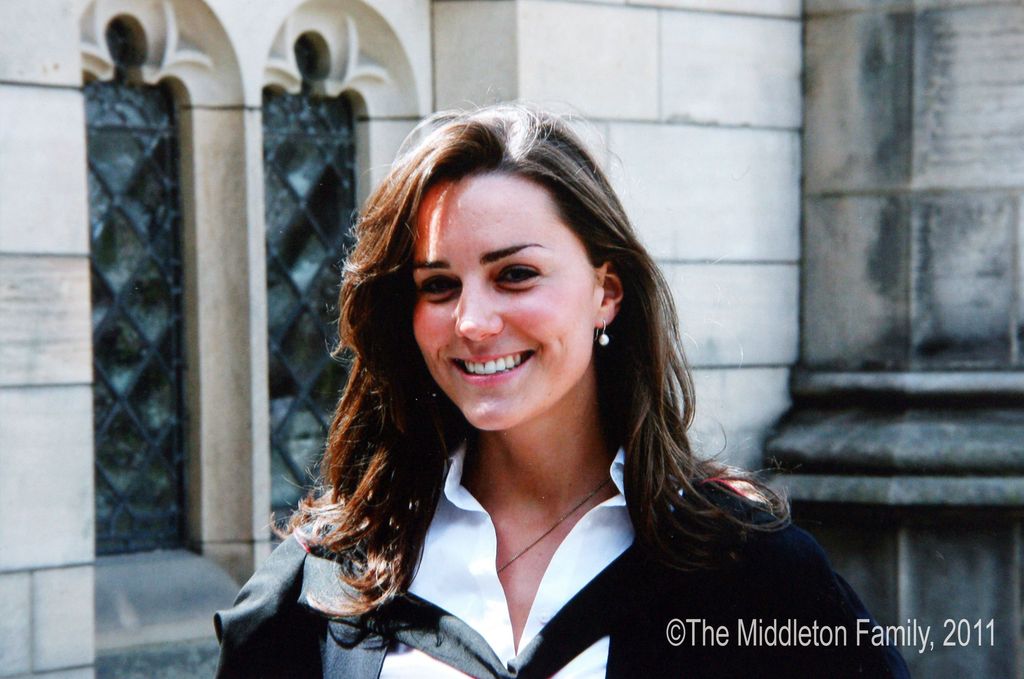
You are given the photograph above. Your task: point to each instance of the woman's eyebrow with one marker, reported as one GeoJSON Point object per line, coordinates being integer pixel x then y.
{"type": "Point", "coordinates": [486, 258]}
{"type": "Point", "coordinates": [490, 257]}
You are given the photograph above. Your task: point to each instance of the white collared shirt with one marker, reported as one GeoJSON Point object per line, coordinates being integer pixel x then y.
{"type": "Point", "coordinates": [457, 573]}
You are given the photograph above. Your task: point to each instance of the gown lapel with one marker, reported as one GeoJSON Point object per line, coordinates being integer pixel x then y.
{"type": "Point", "coordinates": [356, 646]}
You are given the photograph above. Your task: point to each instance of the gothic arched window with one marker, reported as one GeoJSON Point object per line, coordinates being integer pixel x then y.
{"type": "Point", "coordinates": [309, 159]}
{"type": "Point", "coordinates": [135, 245]}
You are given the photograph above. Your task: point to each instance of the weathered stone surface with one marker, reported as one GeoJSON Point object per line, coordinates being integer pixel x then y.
{"type": "Point", "coordinates": [594, 135]}
{"type": "Point", "coordinates": [964, 280]}
{"type": "Point", "coordinates": [931, 439]}
{"type": "Point", "coordinates": [969, 97]}
{"type": "Point", "coordinates": [37, 42]}
{"type": "Point", "coordinates": [964, 571]}
{"type": "Point", "coordinates": [42, 168]}
{"type": "Point", "coordinates": [904, 491]}
{"type": "Point", "coordinates": [736, 314]}
{"type": "Point", "coordinates": [949, 386]}
{"type": "Point", "coordinates": [706, 193]}
{"type": "Point", "coordinates": [62, 618]}
{"type": "Point", "coordinates": [1019, 321]}
{"type": "Point", "coordinates": [161, 661]}
{"type": "Point", "coordinates": [410, 47]}
{"type": "Point", "coordinates": [46, 450]}
{"type": "Point", "coordinates": [855, 282]}
{"type": "Point", "coordinates": [45, 333]}
{"type": "Point", "coordinates": [948, 4]}
{"type": "Point", "coordinates": [735, 70]}
{"type": "Point", "coordinates": [489, 31]}
{"type": "Point", "coordinates": [857, 124]}
{"type": "Point", "coordinates": [783, 8]}
{"type": "Point", "coordinates": [225, 310]}
{"type": "Point", "coordinates": [734, 409]}
{"type": "Point", "coordinates": [76, 673]}
{"type": "Point", "coordinates": [917, 441]}
{"type": "Point", "coordinates": [600, 60]}
{"type": "Point", "coordinates": [15, 623]}
{"type": "Point", "coordinates": [920, 5]}
{"type": "Point", "coordinates": [817, 7]}
{"type": "Point", "coordinates": [377, 144]}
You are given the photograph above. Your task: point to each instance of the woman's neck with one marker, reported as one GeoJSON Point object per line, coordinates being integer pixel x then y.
{"type": "Point", "coordinates": [544, 466]}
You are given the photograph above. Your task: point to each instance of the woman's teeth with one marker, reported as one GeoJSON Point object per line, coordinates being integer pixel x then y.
{"type": "Point", "coordinates": [503, 364]}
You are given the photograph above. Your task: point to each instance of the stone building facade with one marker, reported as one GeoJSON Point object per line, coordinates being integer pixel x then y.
{"type": "Point", "coordinates": [697, 109]}
{"type": "Point", "coordinates": [906, 434]}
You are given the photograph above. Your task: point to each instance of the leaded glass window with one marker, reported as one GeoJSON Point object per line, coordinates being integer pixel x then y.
{"type": "Point", "coordinates": [135, 225]}
{"type": "Point", "coordinates": [309, 157]}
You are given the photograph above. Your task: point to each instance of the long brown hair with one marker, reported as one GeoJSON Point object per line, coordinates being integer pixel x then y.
{"type": "Point", "coordinates": [384, 464]}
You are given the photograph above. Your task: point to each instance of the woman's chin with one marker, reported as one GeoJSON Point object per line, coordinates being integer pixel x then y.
{"type": "Point", "coordinates": [490, 419]}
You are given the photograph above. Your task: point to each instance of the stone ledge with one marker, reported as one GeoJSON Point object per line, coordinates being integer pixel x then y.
{"type": "Point", "coordinates": [943, 442]}
{"type": "Point", "coordinates": [1005, 386]}
{"type": "Point", "coordinates": [157, 598]}
{"type": "Point", "coordinates": [161, 661]}
{"type": "Point", "coordinates": [904, 491]}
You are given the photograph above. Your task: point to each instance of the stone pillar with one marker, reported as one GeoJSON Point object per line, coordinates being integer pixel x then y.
{"type": "Point", "coordinates": [225, 288]}
{"type": "Point", "coordinates": [46, 455]}
{"type": "Point", "coordinates": [694, 107]}
{"type": "Point", "coordinates": [906, 441]}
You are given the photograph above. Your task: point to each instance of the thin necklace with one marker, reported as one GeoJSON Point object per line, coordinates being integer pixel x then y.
{"type": "Point", "coordinates": [555, 525]}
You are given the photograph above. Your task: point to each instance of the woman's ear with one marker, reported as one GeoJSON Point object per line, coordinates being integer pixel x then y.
{"type": "Point", "coordinates": [611, 285]}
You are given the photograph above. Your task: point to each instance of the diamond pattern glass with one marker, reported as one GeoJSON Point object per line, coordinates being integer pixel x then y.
{"type": "Point", "coordinates": [136, 315]}
{"type": "Point", "coordinates": [309, 160]}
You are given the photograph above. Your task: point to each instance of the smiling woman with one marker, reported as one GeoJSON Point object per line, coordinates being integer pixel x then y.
{"type": "Point", "coordinates": [508, 487]}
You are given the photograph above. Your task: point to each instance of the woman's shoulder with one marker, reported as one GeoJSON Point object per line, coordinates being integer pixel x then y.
{"type": "Point", "coordinates": [771, 546]}
{"type": "Point", "coordinates": [268, 588]}
{"type": "Point", "coordinates": [269, 631]}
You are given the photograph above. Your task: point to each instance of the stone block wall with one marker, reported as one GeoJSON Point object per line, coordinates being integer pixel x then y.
{"type": "Point", "coordinates": [913, 130]}
{"type": "Point", "coordinates": [696, 107]}
{"type": "Point", "coordinates": [46, 495]}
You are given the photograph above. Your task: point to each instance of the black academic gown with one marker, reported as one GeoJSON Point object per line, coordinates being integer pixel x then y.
{"type": "Point", "coordinates": [782, 576]}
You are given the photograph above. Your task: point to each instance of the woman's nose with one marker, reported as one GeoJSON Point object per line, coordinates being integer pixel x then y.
{"type": "Point", "coordinates": [476, 316]}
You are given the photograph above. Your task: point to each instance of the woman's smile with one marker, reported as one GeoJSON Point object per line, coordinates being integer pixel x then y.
{"type": "Point", "coordinates": [501, 365]}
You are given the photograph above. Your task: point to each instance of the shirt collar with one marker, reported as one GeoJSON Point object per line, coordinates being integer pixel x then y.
{"type": "Point", "coordinates": [463, 499]}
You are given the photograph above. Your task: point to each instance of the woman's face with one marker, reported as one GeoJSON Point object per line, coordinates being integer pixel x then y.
{"type": "Point", "coordinates": [507, 302]}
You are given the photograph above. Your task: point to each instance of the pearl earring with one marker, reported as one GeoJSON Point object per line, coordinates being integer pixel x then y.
{"type": "Point", "coordinates": [602, 338]}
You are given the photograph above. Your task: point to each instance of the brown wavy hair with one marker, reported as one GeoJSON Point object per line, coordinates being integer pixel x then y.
{"type": "Point", "coordinates": [384, 464]}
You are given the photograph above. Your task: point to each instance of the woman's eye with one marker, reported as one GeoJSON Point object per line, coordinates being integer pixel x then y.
{"type": "Point", "coordinates": [437, 285]}
{"type": "Point", "coordinates": [517, 274]}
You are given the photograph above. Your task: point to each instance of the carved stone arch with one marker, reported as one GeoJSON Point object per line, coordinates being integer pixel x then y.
{"type": "Point", "coordinates": [365, 56]}
{"type": "Point", "coordinates": [185, 44]}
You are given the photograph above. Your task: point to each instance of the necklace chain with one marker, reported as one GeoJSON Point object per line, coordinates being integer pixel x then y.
{"type": "Point", "coordinates": [555, 525]}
